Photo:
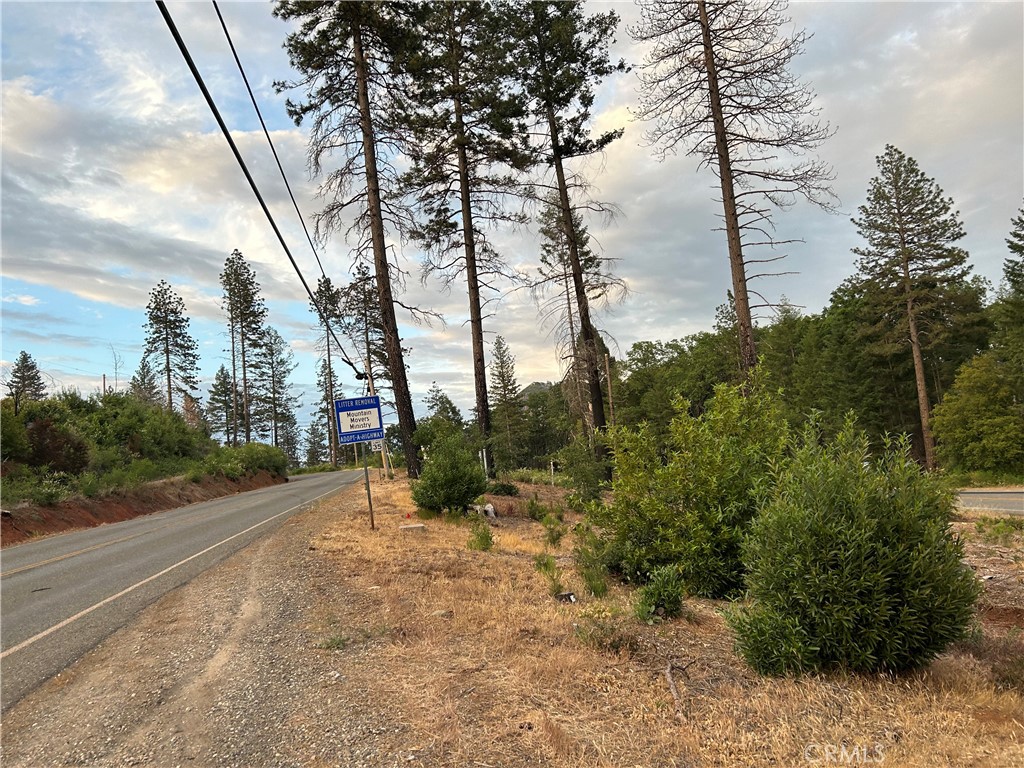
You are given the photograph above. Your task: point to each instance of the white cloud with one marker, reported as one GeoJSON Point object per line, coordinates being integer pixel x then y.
{"type": "Point", "coordinates": [22, 299]}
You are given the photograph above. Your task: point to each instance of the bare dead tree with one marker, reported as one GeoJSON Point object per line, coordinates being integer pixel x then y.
{"type": "Point", "coordinates": [717, 82]}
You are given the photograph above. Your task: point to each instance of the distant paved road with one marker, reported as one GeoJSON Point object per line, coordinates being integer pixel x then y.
{"type": "Point", "coordinates": [996, 501]}
{"type": "Point", "coordinates": [64, 594]}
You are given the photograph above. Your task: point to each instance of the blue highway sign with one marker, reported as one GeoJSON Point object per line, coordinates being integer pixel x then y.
{"type": "Point", "coordinates": [358, 419]}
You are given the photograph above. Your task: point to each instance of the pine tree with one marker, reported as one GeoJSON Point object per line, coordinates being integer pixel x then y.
{"type": "Point", "coordinates": [168, 341]}
{"type": "Point", "coordinates": [1013, 268]}
{"type": "Point", "coordinates": [1008, 310]}
{"type": "Point", "coordinates": [910, 264]}
{"type": "Point", "coordinates": [362, 325]}
{"type": "Point", "coordinates": [194, 414]}
{"type": "Point", "coordinates": [247, 314]}
{"type": "Point", "coordinates": [275, 404]}
{"type": "Point", "coordinates": [326, 305]}
{"type": "Point", "coordinates": [560, 307]}
{"type": "Point", "coordinates": [350, 57]}
{"type": "Point", "coordinates": [25, 382]}
{"type": "Point", "coordinates": [717, 82]}
{"type": "Point", "coordinates": [508, 409]}
{"type": "Point", "coordinates": [469, 147]}
{"type": "Point", "coordinates": [220, 405]}
{"type": "Point", "coordinates": [144, 385]}
{"type": "Point", "coordinates": [564, 57]}
{"type": "Point", "coordinates": [440, 406]}
{"type": "Point", "coordinates": [329, 390]}
{"type": "Point", "coordinates": [289, 438]}
{"type": "Point", "coordinates": [315, 443]}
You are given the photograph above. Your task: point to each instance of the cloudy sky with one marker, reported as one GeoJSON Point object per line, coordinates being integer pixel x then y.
{"type": "Point", "coordinates": [115, 176]}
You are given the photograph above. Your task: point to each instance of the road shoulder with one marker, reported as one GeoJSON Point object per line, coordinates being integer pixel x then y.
{"type": "Point", "coordinates": [222, 671]}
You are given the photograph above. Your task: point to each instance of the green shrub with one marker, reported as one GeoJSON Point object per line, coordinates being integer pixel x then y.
{"type": "Point", "coordinates": [546, 565]}
{"type": "Point", "coordinates": [255, 457]}
{"type": "Point", "coordinates": [607, 629]}
{"type": "Point", "coordinates": [999, 530]}
{"type": "Point", "coordinates": [224, 462]}
{"type": "Point", "coordinates": [14, 445]}
{"type": "Point", "coordinates": [481, 540]}
{"type": "Point", "coordinates": [535, 510]}
{"type": "Point", "coordinates": [586, 475]}
{"type": "Point", "coordinates": [451, 477]}
{"type": "Point", "coordinates": [554, 531]}
{"type": "Point", "coordinates": [852, 564]}
{"type": "Point", "coordinates": [89, 485]}
{"type": "Point", "coordinates": [691, 508]}
{"type": "Point", "coordinates": [662, 596]}
{"type": "Point", "coordinates": [235, 462]}
{"type": "Point", "coordinates": [589, 555]}
{"type": "Point", "coordinates": [314, 468]}
{"type": "Point", "coordinates": [502, 489]}
{"type": "Point", "coordinates": [52, 488]}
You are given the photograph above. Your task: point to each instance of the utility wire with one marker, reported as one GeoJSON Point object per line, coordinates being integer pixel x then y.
{"type": "Point", "coordinates": [245, 170]}
{"type": "Point", "coordinates": [277, 159]}
{"type": "Point", "coordinates": [266, 133]}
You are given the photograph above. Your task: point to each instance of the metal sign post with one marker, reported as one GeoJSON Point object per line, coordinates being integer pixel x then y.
{"type": "Point", "coordinates": [358, 420]}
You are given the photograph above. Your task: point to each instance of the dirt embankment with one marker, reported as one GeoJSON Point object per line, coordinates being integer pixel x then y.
{"type": "Point", "coordinates": [29, 521]}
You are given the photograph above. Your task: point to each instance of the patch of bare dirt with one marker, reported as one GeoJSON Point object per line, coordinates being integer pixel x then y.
{"type": "Point", "coordinates": [29, 521]}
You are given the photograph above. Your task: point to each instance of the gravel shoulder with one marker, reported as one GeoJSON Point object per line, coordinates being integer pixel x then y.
{"type": "Point", "coordinates": [224, 671]}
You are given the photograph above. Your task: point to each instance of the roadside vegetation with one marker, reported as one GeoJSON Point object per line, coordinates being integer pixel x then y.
{"type": "Point", "coordinates": [67, 445]}
{"type": "Point", "coordinates": [481, 652]}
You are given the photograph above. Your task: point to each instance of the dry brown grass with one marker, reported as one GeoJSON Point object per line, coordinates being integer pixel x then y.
{"type": "Point", "coordinates": [468, 651]}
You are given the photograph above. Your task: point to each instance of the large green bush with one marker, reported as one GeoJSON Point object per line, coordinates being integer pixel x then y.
{"type": "Point", "coordinates": [852, 564]}
{"type": "Point", "coordinates": [689, 509]}
{"type": "Point", "coordinates": [14, 445]}
{"type": "Point", "coordinates": [248, 459]}
{"type": "Point", "coordinates": [451, 478]}
{"type": "Point", "coordinates": [979, 425]}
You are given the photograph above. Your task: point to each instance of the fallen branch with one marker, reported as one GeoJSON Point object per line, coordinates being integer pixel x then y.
{"type": "Point", "coordinates": [672, 685]}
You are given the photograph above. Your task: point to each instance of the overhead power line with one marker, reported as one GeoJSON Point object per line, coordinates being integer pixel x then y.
{"type": "Point", "coordinates": [248, 176]}
{"type": "Point", "coordinates": [273, 149]}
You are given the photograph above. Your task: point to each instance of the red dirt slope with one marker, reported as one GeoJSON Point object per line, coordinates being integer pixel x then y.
{"type": "Point", "coordinates": [25, 522]}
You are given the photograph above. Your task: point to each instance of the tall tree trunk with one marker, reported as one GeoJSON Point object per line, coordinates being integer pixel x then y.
{"type": "Point", "coordinates": [923, 406]}
{"type": "Point", "coordinates": [587, 331]}
{"type": "Point", "coordinates": [574, 352]}
{"type": "Point", "coordinates": [744, 321]}
{"type": "Point", "coordinates": [167, 368]}
{"type": "Point", "coordinates": [476, 328]}
{"type": "Point", "coordinates": [392, 342]}
{"type": "Point", "coordinates": [332, 432]}
{"type": "Point", "coordinates": [384, 461]}
{"type": "Point", "coordinates": [245, 389]}
{"type": "Point", "coordinates": [582, 303]}
{"type": "Point", "coordinates": [234, 381]}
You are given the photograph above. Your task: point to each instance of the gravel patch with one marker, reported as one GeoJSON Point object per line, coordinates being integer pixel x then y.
{"type": "Point", "coordinates": [228, 670]}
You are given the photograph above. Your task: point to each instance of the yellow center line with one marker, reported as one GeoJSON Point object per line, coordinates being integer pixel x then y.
{"type": "Point", "coordinates": [77, 552]}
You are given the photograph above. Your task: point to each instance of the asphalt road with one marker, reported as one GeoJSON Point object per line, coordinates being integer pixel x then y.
{"type": "Point", "coordinates": [996, 501]}
{"type": "Point", "coordinates": [64, 594]}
